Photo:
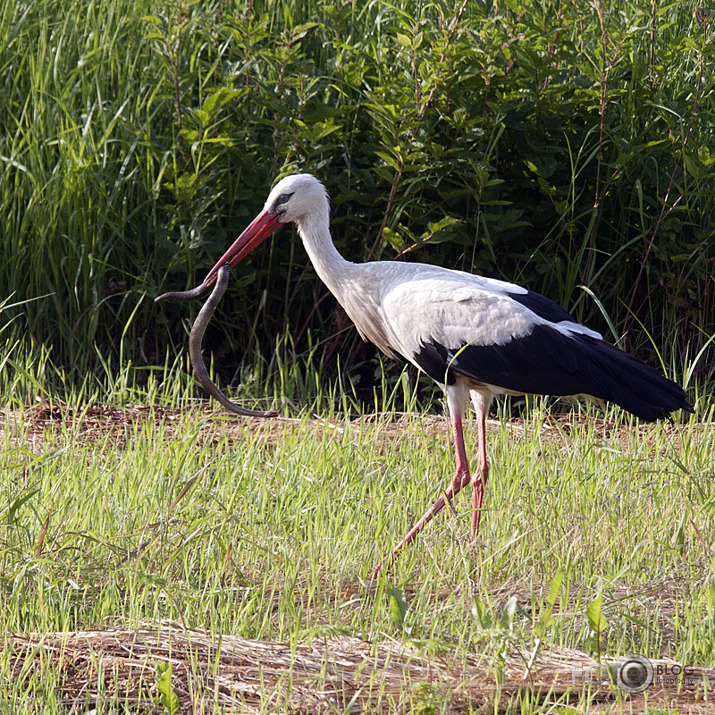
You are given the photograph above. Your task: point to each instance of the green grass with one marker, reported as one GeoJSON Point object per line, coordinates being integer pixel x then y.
{"type": "Point", "coordinates": [129, 514]}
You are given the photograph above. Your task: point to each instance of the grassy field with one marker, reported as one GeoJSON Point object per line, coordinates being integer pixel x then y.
{"type": "Point", "coordinates": [152, 548]}
{"type": "Point", "coordinates": [598, 537]}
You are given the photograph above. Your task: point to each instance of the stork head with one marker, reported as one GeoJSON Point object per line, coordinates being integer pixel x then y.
{"type": "Point", "coordinates": [293, 197]}
{"type": "Point", "coordinates": [300, 198]}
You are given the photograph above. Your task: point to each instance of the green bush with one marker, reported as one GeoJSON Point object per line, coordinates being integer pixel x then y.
{"type": "Point", "coordinates": [565, 146]}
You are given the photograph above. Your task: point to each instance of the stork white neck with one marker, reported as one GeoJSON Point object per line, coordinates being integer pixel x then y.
{"type": "Point", "coordinates": [314, 230]}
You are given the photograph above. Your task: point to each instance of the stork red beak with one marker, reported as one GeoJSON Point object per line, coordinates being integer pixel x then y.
{"type": "Point", "coordinates": [257, 232]}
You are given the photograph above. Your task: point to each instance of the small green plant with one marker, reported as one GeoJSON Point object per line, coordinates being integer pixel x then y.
{"type": "Point", "coordinates": [399, 610]}
{"type": "Point", "coordinates": [545, 619]}
{"type": "Point", "coordinates": [167, 697]}
{"type": "Point", "coordinates": [496, 634]}
{"type": "Point", "coordinates": [597, 624]}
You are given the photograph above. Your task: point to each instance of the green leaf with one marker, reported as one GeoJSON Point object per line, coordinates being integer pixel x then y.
{"type": "Point", "coordinates": [393, 238]}
{"type": "Point", "coordinates": [201, 116]}
{"type": "Point", "coordinates": [169, 699]}
{"type": "Point", "coordinates": [546, 619]}
{"type": "Point", "coordinates": [300, 31]}
{"type": "Point", "coordinates": [507, 617]}
{"type": "Point", "coordinates": [219, 98]}
{"type": "Point", "coordinates": [14, 507]}
{"type": "Point", "coordinates": [435, 227]}
{"type": "Point", "coordinates": [705, 156]}
{"type": "Point", "coordinates": [480, 616]}
{"type": "Point", "coordinates": [596, 620]}
{"type": "Point", "coordinates": [188, 487]}
{"type": "Point", "coordinates": [389, 159]}
{"type": "Point", "coordinates": [398, 609]}
{"type": "Point", "coordinates": [404, 40]}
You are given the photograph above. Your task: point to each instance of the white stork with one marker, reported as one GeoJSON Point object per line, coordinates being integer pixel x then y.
{"type": "Point", "coordinates": [476, 337]}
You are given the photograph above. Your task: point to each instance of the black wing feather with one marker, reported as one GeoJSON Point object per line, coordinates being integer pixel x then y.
{"type": "Point", "coordinates": [549, 362]}
{"type": "Point", "coordinates": [543, 307]}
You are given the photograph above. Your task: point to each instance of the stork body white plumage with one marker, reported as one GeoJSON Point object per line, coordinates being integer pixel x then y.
{"type": "Point", "coordinates": [477, 337]}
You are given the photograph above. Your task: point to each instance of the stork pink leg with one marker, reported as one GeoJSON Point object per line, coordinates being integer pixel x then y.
{"type": "Point", "coordinates": [479, 482]}
{"type": "Point", "coordinates": [461, 479]}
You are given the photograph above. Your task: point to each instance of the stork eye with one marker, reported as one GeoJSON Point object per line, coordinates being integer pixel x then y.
{"type": "Point", "coordinates": [282, 199]}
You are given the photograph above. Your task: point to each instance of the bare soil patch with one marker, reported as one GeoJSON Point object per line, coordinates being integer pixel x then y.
{"type": "Point", "coordinates": [95, 422]}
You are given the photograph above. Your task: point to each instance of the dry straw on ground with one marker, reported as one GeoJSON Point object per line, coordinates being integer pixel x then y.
{"type": "Point", "coordinates": [229, 674]}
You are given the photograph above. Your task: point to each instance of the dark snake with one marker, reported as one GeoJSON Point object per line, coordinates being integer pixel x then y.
{"type": "Point", "coordinates": [197, 335]}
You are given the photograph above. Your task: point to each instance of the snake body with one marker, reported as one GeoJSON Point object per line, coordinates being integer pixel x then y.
{"type": "Point", "coordinates": [197, 335]}
{"type": "Point", "coordinates": [186, 295]}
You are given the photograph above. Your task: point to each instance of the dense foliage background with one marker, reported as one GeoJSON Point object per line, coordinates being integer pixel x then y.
{"type": "Point", "coordinates": [563, 145]}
